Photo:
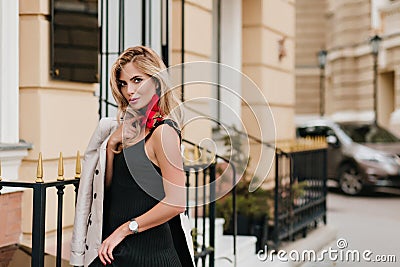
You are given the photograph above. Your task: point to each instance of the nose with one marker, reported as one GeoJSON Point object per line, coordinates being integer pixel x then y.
{"type": "Point", "coordinates": [131, 88]}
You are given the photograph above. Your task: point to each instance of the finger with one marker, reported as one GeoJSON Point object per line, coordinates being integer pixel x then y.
{"type": "Point", "coordinates": [101, 258]}
{"type": "Point", "coordinates": [110, 250]}
{"type": "Point", "coordinates": [105, 255]}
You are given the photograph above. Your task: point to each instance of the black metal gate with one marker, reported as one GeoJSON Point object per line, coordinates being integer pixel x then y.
{"type": "Point", "coordinates": [300, 193]}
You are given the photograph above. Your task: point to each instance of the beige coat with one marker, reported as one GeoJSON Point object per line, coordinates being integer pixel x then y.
{"type": "Point", "coordinates": [88, 223]}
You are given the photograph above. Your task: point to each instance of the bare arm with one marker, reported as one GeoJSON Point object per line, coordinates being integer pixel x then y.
{"type": "Point", "coordinates": [167, 150]}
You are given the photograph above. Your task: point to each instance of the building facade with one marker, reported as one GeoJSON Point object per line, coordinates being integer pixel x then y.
{"type": "Point", "coordinates": [344, 29]}
{"type": "Point", "coordinates": [53, 115]}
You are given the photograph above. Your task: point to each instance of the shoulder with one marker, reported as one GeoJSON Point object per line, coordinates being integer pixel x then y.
{"type": "Point", "coordinates": [166, 132]}
{"type": "Point", "coordinates": [167, 146]}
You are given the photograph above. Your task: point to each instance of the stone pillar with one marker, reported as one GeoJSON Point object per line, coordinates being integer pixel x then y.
{"type": "Point", "coordinates": [268, 59]}
{"type": "Point", "coordinates": [9, 72]}
{"type": "Point", "coordinates": [395, 116]}
{"type": "Point", "coordinates": [11, 151]}
{"type": "Point", "coordinates": [231, 55]}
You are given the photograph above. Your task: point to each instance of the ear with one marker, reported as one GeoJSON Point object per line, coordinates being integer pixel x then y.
{"type": "Point", "coordinates": [158, 86]}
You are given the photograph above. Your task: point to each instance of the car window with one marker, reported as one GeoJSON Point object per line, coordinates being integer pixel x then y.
{"type": "Point", "coordinates": [368, 133]}
{"type": "Point", "coordinates": [314, 131]}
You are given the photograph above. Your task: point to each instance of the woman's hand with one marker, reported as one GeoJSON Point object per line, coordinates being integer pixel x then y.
{"type": "Point", "coordinates": [125, 131]}
{"type": "Point", "coordinates": [108, 245]}
{"type": "Point", "coordinates": [116, 138]}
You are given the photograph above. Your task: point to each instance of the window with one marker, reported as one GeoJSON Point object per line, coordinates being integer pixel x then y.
{"type": "Point", "coordinates": [315, 131]}
{"type": "Point", "coordinates": [75, 40]}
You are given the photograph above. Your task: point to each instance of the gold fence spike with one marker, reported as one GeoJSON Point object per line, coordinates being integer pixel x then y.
{"type": "Point", "coordinates": [39, 171]}
{"type": "Point", "coordinates": [203, 157]}
{"type": "Point", "coordinates": [60, 168]}
{"type": "Point", "coordinates": [78, 167]}
{"type": "Point", "coordinates": [196, 154]}
{"type": "Point", "coordinates": [186, 155]}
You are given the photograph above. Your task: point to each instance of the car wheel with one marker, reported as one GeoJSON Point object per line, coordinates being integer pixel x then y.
{"type": "Point", "coordinates": [350, 180]}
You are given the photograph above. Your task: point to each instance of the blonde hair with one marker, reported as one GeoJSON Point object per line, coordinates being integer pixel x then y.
{"type": "Point", "coordinates": [147, 61]}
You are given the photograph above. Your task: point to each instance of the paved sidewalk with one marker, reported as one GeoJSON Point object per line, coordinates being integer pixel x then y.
{"type": "Point", "coordinates": [316, 240]}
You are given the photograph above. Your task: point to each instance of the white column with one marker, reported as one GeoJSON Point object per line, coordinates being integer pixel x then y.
{"type": "Point", "coordinates": [231, 55]}
{"type": "Point", "coordinates": [11, 151]}
{"type": "Point", "coordinates": [9, 70]}
{"type": "Point", "coordinates": [376, 5]}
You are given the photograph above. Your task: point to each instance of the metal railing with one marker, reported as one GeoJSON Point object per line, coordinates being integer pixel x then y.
{"type": "Point", "coordinates": [300, 193]}
{"type": "Point", "coordinates": [202, 170]}
{"type": "Point", "coordinates": [39, 208]}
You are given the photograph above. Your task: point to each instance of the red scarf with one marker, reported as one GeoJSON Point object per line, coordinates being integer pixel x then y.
{"type": "Point", "coordinates": [152, 109]}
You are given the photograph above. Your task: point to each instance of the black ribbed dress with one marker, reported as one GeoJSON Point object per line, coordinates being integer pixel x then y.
{"type": "Point", "coordinates": [136, 187]}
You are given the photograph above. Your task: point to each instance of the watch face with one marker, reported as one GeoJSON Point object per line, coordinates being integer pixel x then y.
{"type": "Point", "coordinates": [133, 226]}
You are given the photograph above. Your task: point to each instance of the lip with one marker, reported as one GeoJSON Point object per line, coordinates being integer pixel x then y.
{"type": "Point", "coordinates": [133, 100]}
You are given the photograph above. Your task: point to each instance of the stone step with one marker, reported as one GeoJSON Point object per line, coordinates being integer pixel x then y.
{"type": "Point", "coordinates": [245, 245]}
{"type": "Point", "coordinates": [245, 248]}
{"type": "Point", "coordinates": [219, 229]}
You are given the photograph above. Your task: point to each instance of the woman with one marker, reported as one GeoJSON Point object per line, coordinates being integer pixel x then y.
{"type": "Point", "coordinates": [133, 172]}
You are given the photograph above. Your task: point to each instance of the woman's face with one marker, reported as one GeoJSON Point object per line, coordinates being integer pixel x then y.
{"type": "Point", "coordinates": [137, 87]}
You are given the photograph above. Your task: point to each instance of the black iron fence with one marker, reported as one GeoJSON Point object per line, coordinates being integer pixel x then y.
{"type": "Point", "coordinates": [203, 174]}
{"type": "Point", "coordinates": [39, 215]}
{"type": "Point", "coordinates": [300, 192]}
{"type": "Point", "coordinates": [203, 207]}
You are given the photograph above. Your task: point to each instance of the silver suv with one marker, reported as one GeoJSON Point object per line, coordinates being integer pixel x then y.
{"type": "Point", "coordinates": [360, 155]}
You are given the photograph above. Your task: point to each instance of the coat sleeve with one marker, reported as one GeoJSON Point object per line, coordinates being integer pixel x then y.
{"type": "Point", "coordinates": [84, 199]}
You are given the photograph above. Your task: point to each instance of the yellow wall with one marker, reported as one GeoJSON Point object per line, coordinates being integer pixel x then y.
{"type": "Point", "coordinates": [55, 116]}
{"type": "Point", "coordinates": [265, 22]}
{"type": "Point", "coordinates": [198, 47]}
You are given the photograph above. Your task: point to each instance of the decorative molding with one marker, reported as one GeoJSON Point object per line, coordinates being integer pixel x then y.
{"type": "Point", "coordinates": [10, 163]}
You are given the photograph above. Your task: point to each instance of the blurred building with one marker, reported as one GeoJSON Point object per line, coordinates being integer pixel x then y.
{"type": "Point", "coordinates": [344, 30]}
{"type": "Point", "coordinates": [54, 71]}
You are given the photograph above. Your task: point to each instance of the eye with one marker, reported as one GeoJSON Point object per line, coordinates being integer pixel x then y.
{"type": "Point", "coordinates": [137, 80]}
{"type": "Point", "coordinates": [121, 84]}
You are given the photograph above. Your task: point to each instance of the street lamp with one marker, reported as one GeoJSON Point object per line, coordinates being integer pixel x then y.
{"type": "Point", "coordinates": [322, 63]}
{"type": "Point", "coordinates": [375, 41]}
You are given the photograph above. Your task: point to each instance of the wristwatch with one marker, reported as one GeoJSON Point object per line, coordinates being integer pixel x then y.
{"type": "Point", "coordinates": [134, 226]}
